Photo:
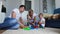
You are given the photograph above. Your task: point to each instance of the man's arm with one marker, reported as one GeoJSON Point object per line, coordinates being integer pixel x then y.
{"type": "Point", "coordinates": [21, 20]}
{"type": "Point", "coordinates": [13, 15]}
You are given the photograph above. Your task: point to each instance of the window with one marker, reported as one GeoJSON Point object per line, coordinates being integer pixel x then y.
{"type": "Point", "coordinates": [45, 6]}
{"type": "Point", "coordinates": [28, 5]}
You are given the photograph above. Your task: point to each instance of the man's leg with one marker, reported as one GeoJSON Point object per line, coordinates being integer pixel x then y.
{"type": "Point", "coordinates": [8, 22]}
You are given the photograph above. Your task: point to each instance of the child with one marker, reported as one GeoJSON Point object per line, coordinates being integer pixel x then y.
{"type": "Point", "coordinates": [41, 21]}
{"type": "Point", "coordinates": [31, 18]}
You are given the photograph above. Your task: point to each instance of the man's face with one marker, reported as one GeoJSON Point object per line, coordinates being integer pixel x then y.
{"type": "Point", "coordinates": [21, 9]}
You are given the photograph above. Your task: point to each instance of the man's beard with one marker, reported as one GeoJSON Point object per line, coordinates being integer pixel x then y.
{"type": "Point", "coordinates": [21, 11]}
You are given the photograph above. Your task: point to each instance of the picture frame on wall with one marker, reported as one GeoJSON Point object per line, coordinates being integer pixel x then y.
{"type": "Point", "coordinates": [45, 6]}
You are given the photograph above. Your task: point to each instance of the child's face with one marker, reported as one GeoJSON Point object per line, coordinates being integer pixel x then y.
{"type": "Point", "coordinates": [40, 16]}
{"type": "Point", "coordinates": [31, 13]}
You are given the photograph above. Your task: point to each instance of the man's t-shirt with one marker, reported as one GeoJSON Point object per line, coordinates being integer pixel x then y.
{"type": "Point", "coordinates": [18, 14]}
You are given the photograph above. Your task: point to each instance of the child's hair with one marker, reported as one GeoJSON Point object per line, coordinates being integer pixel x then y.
{"type": "Point", "coordinates": [30, 10]}
{"type": "Point", "coordinates": [40, 14]}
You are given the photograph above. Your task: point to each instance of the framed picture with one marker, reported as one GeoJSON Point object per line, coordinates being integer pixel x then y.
{"type": "Point", "coordinates": [45, 6]}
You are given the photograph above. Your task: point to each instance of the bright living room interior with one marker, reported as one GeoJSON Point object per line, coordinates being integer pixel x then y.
{"type": "Point", "coordinates": [9, 4]}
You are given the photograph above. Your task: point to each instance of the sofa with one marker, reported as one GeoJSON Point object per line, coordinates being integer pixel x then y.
{"type": "Point", "coordinates": [53, 21]}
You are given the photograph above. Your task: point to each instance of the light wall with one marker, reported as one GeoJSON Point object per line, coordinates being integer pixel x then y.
{"type": "Point", "coordinates": [37, 5]}
{"type": "Point", "coordinates": [57, 2]}
{"type": "Point", "coordinates": [2, 15]}
{"type": "Point", "coordinates": [11, 4]}
{"type": "Point", "coordinates": [50, 6]}
{"type": "Point", "coordinates": [0, 5]}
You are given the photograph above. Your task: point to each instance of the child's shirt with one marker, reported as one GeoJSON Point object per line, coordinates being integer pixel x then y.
{"type": "Point", "coordinates": [42, 20]}
{"type": "Point", "coordinates": [31, 19]}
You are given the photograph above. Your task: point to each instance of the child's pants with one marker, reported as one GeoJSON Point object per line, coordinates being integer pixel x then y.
{"type": "Point", "coordinates": [42, 25]}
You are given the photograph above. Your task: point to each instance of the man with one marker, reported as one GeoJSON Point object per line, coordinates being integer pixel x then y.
{"type": "Point", "coordinates": [17, 15]}
{"type": "Point", "coordinates": [20, 14]}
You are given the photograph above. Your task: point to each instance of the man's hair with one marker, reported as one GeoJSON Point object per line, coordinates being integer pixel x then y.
{"type": "Point", "coordinates": [22, 6]}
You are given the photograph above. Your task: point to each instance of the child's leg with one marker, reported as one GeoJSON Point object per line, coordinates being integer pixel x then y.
{"type": "Point", "coordinates": [36, 25]}
{"type": "Point", "coordinates": [42, 25]}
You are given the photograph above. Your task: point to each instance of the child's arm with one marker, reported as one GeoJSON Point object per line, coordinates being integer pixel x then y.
{"type": "Point", "coordinates": [42, 22]}
{"type": "Point", "coordinates": [28, 17]}
{"type": "Point", "coordinates": [34, 19]}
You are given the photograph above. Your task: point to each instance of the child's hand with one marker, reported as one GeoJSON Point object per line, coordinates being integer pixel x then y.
{"type": "Point", "coordinates": [39, 23]}
{"type": "Point", "coordinates": [28, 17]}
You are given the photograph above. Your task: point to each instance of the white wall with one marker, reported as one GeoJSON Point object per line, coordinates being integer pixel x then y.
{"type": "Point", "coordinates": [40, 6]}
{"type": "Point", "coordinates": [35, 6]}
{"type": "Point", "coordinates": [49, 7]}
{"type": "Point", "coordinates": [57, 2]}
{"type": "Point", "coordinates": [0, 5]}
{"type": "Point", "coordinates": [11, 4]}
{"type": "Point", "coordinates": [2, 15]}
{"type": "Point", "coordinates": [4, 3]}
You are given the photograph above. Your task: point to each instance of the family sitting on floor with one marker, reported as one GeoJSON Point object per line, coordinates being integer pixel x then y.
{"type": "Point", "coordinates": [25, 19]}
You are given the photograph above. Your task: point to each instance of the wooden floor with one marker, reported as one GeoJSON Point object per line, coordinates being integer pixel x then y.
{"type": "Point", "coordinates": [1, 31]}
{"type": "Point", "coordinates": [35, 31]}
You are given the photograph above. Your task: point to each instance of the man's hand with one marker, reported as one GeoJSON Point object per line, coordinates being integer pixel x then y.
{"type": "Point", "coordinates": [13, 15]}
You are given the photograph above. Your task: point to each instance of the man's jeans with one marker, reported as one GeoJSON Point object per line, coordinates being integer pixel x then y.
{"type": "Point", "coordinates": [9, 23]}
